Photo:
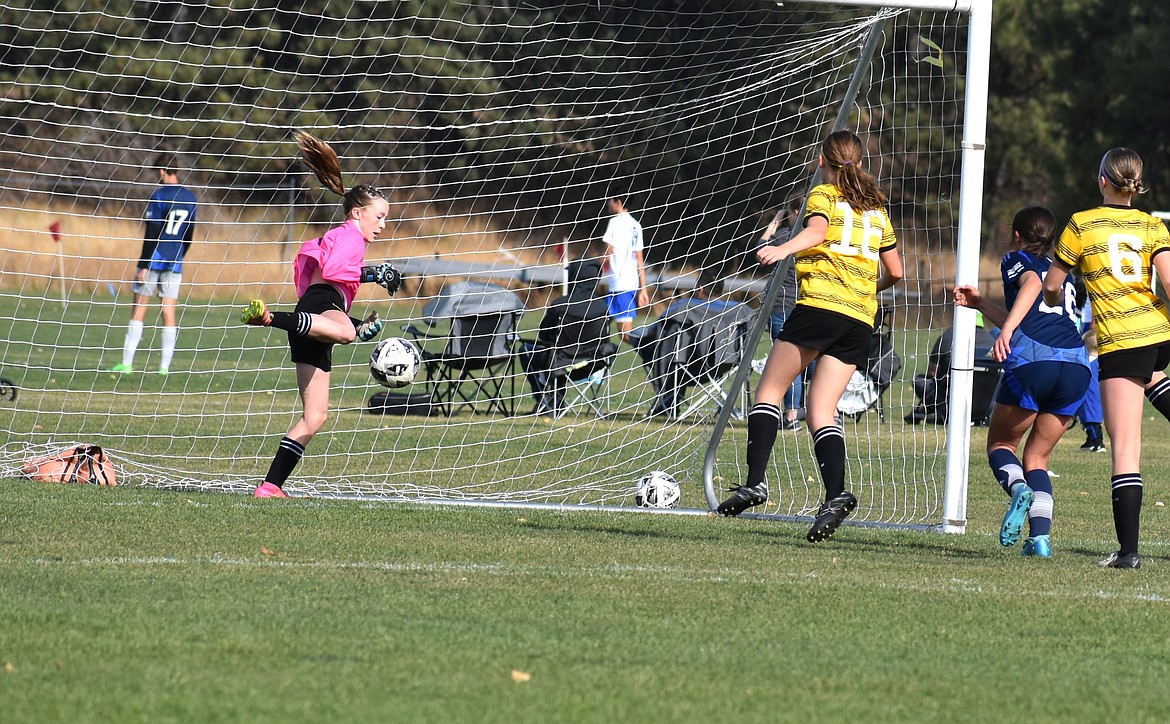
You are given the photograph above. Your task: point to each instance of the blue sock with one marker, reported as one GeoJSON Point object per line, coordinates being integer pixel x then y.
{"type": "Point", "coordinates": [1040, 514]}
{"type": "Point", "coordinates": [1006, 468]}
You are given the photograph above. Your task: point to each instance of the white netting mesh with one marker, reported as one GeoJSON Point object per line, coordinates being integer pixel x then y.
{"type": "Point", "coordinates": [499, 132]}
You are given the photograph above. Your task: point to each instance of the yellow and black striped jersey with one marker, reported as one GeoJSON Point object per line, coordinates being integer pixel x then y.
{"type": "Point", "coordinates": [840, 274]}
{"type": "Point", "coordinates": [1113, 246]}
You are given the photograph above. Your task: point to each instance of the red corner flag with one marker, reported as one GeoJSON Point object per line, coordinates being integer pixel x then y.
{"type": "Point", "coordinates": [55, 230]}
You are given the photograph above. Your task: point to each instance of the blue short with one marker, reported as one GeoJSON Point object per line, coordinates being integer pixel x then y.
{"type": "Point", "coordinates": [1090, 411]}
{"type": "Point", "coordinates": [1057, 388]}
{"type": "Point", "coordinates": [623, 306]}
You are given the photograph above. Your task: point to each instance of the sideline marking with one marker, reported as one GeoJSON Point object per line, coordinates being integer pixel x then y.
{"type": "Point", "coordinates": [953, 585]}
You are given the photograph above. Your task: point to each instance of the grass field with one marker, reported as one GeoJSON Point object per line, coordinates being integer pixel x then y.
{"type": "Point", "coordinates": [231, 394]}
{"type": "Point", "coordinates": [134, 604]}
{"type": "Point", "coordinates": [141, 605]}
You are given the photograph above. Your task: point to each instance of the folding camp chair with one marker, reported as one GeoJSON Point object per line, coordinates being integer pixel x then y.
{"type": "Point", "coordinates": [698, 347]}
{"type": "Point", "coordinates": [582, 383]}
{"type": "Point", "coordinates": [867, 388]}
{"type": "Point", "coordinates": [479, 359]}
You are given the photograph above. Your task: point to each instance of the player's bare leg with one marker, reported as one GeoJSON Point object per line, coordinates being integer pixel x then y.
{"type": "Point", "coordinates": [313, 384]}
{"type": "Point", "coordinates": [828, 383]}
{"type": "Point", "coordinates": [1122, 398]}
{"type": "Point", "coordinates": [785, 362]}
{"type": "Point", "coordinates": [332, 326]}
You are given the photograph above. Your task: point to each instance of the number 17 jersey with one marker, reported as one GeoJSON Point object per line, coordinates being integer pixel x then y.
{"type": "Point", "coordinates": [1114, 247]}
{"type": "Point", "coordinates": [172, 208]}
{"type": "Point", "coordinates": [840, 274]}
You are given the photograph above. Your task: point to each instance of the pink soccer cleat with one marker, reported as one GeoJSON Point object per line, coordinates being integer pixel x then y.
{"type": "Point", "coordinates": [268, 490]}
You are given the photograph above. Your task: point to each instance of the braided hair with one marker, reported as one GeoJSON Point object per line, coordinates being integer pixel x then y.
{"type": "Point", "coordinates": [1122, 168]}
{"type": "Point", "coordinates": [842, 151]}
{"type": "Point", "coordinates": [323, 161]}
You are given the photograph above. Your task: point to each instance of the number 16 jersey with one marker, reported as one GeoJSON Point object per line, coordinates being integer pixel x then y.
{"type": "Point", "coordinates": [840, 274]}
{"type": "Point", "coordinates": [1114, 247]}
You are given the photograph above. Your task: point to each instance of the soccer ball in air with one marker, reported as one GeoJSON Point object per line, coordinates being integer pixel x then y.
{"type": "Point", "coordinates": [395, 362]}
{"type": "Point", "coordinates": [657, 490]}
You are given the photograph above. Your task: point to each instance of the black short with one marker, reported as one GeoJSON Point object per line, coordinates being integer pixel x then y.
{"type": "Point", "coordinates": [318, 298]}
{"type": "Point", "coordinates": [1139, 362]}
{"type": "Point", "coordinates": [833, 334]}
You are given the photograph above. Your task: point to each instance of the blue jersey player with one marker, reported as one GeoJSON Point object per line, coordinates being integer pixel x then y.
{"type": "Point", "coordinates": [1046, 373]}
{"type": "Point", "coordinates": [170, 224]}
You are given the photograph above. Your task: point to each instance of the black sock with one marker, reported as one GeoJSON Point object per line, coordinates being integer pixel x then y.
{"type": "Point", "coordinates": [763, 421]}
{"type": "Point", "coordinates": [299, 323]}
{"type": "Point", "coordinates": [287, 456]}
{"type": "Point", "coordinates": [1159, 397]}
{"type": "Point", "coordinates": [1127, 510]}
{"type": "Point", "coordinates": [829, 448]}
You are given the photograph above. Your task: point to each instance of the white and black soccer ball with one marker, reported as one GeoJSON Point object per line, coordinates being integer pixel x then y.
{"type": "Point", "coordinates": [657, 489]}
{"type": "Point", "coordinates": [395, 362]}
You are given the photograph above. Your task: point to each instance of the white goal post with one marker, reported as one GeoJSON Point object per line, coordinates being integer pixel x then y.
{"type": "Point", "coordinates": [498, 134]}
{"type": "Point", "coordinates": [969, 232]}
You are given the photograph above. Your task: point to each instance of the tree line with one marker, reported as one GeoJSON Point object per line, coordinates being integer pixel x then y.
{"type": "Point", "coordinates": [510, 106]}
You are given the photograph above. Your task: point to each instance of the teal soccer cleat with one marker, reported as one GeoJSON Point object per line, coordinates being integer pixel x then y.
{"type": "Point", "coordinates": [1037, 546]}
{"type": "Point", "coordinates": [1017, 512]}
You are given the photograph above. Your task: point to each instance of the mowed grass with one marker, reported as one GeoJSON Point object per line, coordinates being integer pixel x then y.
{"type": "Point", "coordinates": [231, 394]}
{"type": "Point", "coordinates": [132, 604]}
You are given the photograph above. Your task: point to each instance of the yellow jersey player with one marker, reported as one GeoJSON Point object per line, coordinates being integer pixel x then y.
{"type": "Point", "coordinates": [1116, 248]}
{"type": "Point", "coordinates": [845, 254]}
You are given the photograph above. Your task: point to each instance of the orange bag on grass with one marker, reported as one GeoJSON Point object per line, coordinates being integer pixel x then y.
{"type": "Point", "coordinates": [85, 464]}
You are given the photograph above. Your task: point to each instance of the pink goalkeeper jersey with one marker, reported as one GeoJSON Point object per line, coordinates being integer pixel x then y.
{"type": "Point", "coordinates": [339, 255]}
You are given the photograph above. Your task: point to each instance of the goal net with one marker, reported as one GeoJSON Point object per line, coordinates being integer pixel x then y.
{"type": "Point", "coordinates": [498, 132]}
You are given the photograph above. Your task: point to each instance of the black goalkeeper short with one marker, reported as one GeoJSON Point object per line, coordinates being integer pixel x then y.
{"type": "Point", "coordinates": [318, 298]}
{"type": "Point", "coordinates": [830, 333]}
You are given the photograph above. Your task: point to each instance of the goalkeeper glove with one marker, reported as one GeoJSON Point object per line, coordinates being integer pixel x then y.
{"type": "Point", "coordinates": [370, 328]}
{"type": "Point", "coordinates": [383, 275]}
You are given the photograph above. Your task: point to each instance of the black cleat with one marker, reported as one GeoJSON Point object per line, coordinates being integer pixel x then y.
{"type": "Point", "coordinates": [1094, 445]}
{"type": "Point", "coordinates": [1117, 560]}
{"type": "Point", "coordinates": [830, 515]}
{"type": "Point", "coordinates": [744, 497]}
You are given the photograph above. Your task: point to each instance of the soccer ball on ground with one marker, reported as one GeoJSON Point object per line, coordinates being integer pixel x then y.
{"type": "Point", "coordinates": [395, 362]}
{"type": "Point", "coordinates": [657, 490]}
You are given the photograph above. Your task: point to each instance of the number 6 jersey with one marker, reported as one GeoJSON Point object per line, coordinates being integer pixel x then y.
{"type": "Point", "coordinates": [840, 274]}
{"type": "Point", "coordinates": [1114, 246]}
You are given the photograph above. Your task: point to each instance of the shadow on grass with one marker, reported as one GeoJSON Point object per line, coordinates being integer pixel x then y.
{"type": "Point", "coordinates": [781, 533]}
{"type": "Point", "coordinates": [1096, 554]}
{"type": "Point", "coordinates": [861, 540]}
{"type": "Point", "coordinates": [582, 526]}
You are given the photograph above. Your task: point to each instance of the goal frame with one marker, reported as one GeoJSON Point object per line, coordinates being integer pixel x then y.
{"type": "Point", "coordinates": [973, 151]}
{"type": "Point", "coordinates": [790, 65]}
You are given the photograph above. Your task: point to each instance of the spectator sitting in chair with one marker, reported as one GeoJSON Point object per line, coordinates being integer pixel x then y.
{"type": "Point", "coordinates": [933, 388]}
{"type": "Point", "coordinates": [645, 339]}
{"type": "Point", "coordinates": [706, 293]}
{"type": "Point", "coordinates": [573, 333]}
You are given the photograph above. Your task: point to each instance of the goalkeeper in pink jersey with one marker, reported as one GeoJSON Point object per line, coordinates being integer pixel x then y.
{"type": "Point", "coordinates": [327, 273]}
